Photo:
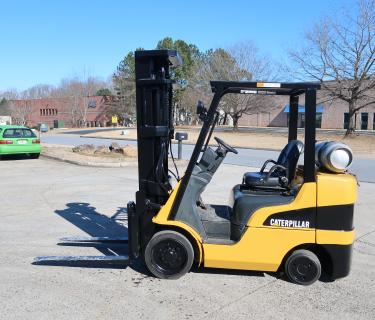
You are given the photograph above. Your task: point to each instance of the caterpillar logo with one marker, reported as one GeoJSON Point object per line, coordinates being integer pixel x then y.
{"type": "Point", "coordinates": [289, 223]}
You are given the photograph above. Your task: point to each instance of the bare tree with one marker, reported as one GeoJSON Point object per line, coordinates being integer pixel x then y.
{"type": "Point", "coordinates": [242, 62]}
{"type": "Point", "coordinates": [10, 94]}
{"type": "Point", "coordinates": [20, 111]}
{"type": "Point", "coordinates": [77, 92]}
{"type": "Point", "coordinates": [340, 53]}
{"type": "Point", "coordinates": [38, 91]}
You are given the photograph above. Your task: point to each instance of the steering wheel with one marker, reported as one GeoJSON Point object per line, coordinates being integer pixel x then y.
{"type": "Point", "coordinates": [226, 146]}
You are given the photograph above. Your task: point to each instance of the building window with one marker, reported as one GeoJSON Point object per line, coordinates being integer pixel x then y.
{"type": "Point", "coordinates": [301, 120]}
{"type": "Point", "coordinates": [92, 104]}
{"type": "Point", "coordinates": [48, 112]}
{"type": "Point", "coordinates": [346, 120]}
{"type": "Point", "coordinates": [318, 120]}
{"type": "Point", "coordinates": [364, 121]}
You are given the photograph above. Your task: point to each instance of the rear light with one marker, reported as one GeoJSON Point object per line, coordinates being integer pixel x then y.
{"type": "Point", "coordinates": [6, 142]}
{"type": "Point", "coordinates": [36, 141]}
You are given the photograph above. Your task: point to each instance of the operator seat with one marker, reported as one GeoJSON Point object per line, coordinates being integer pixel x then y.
{"type": "Point", "coordinates": [281, 173]}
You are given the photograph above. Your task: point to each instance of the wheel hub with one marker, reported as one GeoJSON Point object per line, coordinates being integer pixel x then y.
{"type": "Point", "coordinates": [303, 270]}
{"type": "Point", "coordinates": [169, 256]}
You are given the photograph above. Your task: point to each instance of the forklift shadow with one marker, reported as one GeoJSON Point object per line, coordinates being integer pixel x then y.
{"type": "Point", "coordinates": [95, 224]}
{"type": "Point", "coordinates": [228, 272]}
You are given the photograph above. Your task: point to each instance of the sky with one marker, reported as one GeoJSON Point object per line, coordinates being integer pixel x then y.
{"type": "Point", "coordinates": [43, 41]}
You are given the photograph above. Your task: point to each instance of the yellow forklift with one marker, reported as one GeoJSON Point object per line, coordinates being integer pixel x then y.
{"type": "Point", "coordinates": [292, 218]}
{"type": "Point", "coordinates": [288, 217]}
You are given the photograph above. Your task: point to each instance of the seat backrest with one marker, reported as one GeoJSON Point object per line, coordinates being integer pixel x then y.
{"type": "Point", "coordinates": [289, 156]}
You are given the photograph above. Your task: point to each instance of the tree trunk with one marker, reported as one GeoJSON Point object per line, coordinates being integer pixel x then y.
{"type": "Point", "coordinates": [225, 118]}
{"type": "Point", "coordinates": [235, 122]}
{"type": "Point", "coordinates": [352, 125]}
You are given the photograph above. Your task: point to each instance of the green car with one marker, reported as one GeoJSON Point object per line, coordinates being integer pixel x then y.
{"type": "Point", "coordinates": [19, 140]}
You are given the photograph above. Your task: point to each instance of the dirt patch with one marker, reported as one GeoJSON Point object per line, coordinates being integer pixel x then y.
{"type": "Point", "coordinates": [66, 153]}
{"type": "Point", "coordinates": [114, 150]}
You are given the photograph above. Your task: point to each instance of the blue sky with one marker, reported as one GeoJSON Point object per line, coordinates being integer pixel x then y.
{"type": "Point", "coordinates": [43, 41]}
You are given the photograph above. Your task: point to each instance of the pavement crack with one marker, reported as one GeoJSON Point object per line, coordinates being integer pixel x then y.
{"type": "Point", "coordinates": [367, 243]}
{"type": "Point", "coordinates": [365, 235]}
{"type": "Point", "coordinates": [209, 315]}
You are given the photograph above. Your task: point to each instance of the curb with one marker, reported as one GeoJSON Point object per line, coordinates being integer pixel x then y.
{"type": "Point", "coordinates": [89, 163]}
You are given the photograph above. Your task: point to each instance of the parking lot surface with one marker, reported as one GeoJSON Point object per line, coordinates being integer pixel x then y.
{"type": "Point", "coordinates": [43, 200]}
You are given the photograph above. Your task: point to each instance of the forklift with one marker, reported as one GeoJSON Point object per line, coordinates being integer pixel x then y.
{"type": "Point", "coordinates": [291, 218]}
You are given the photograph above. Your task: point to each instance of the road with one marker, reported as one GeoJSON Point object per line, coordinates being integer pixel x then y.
{"type": "Point", "coordinates": [363, 167]}
{"type": "Point", "coordinates": [43, 200]}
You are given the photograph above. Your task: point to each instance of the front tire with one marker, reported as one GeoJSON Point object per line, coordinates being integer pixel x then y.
{"type": "Point", "coordinates": [169, 255]}
{"type": "Point", "coordinates": [303, 267]}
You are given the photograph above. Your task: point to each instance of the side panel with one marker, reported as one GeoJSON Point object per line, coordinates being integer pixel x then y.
{"type": "Point", "coordinates": [260, 249]}
{"type": "Point", "coordinates": [263, 247]}
{"type": "Point", "coordinates": [306, 198]}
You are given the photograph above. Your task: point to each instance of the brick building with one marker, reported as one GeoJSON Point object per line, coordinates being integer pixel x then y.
{"type": "Point", "coordinates": [78, 111]}
{"type": "Point", "coordinates": [92, 111]}
{"type": "Point", "coordinates": [330, 115]}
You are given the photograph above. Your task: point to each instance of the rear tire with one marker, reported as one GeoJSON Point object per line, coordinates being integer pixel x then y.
{"type": "Point", "coordinates": [34, 155]}
{"type": "Point", "coordinates": [169, 255]}
{"type": "Point", "coordinates": [303, 267]}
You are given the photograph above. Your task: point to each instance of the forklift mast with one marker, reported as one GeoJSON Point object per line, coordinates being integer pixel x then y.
{"type": "Point", "coordinates": [155, 131]}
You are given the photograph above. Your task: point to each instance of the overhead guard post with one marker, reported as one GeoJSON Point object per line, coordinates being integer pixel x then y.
{"type": "Point", "coordinates": [293, 117]}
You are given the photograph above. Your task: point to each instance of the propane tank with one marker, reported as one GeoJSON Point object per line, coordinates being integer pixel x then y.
{"type": "Point", "coordinates": [333, 156]}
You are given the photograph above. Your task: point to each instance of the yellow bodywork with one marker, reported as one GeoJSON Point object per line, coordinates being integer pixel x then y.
{"type": "Point", "coordinates": [262, 247]}
{"type": "Point", "coordinates": [336, 189]}
{"type": "Point", "coordinates": [259, 249]}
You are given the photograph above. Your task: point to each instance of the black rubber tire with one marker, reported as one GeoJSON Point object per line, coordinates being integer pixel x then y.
{"type": "Point", "coordinates": [303, 267]}
{"type": "Point", "coordinates": [169, 255]}
{"type": "Point", "coordinates": [34, 155]}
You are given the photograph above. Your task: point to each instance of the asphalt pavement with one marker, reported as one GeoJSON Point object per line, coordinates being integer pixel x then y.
{"type": "Point", "coordinates": [363, 166]}
{"type": "Point", "coordinates": [43, 200]}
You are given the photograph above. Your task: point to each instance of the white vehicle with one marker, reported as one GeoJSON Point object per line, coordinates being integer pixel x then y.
{"type": "Point", "coordinates": [5, 120]}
